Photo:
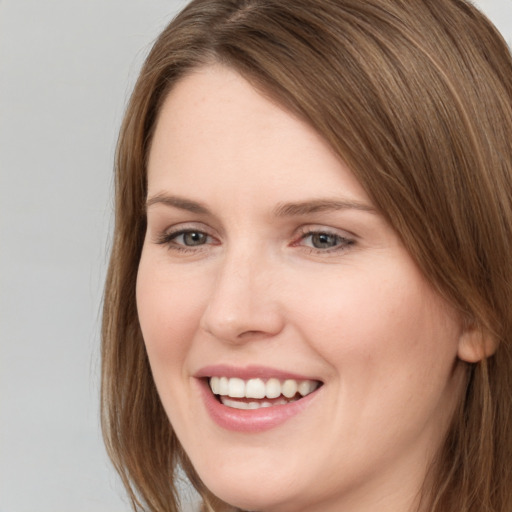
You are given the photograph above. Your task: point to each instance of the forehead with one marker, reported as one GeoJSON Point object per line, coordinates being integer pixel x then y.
{"type": "Point", "coordinates": [217, 134]}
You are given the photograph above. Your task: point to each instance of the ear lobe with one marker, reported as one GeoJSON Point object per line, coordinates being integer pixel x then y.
{"type": "Point", "coordinates": [475, 345]}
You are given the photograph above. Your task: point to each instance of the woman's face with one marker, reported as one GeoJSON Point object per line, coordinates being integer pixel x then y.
{"type": "Point", "coordinates": [266, 266]}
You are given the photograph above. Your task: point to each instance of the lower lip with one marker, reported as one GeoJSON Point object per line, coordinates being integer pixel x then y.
{"type": "Point", "coordinates": [251, 420]}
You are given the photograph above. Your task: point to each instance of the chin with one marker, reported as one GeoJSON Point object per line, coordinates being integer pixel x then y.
{"type": "Point", "coordinates": [252, 501]}
{"type": "Point", "coordinates": [251, 492]}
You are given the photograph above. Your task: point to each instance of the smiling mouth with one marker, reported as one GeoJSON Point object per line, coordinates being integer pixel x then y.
{"type": "Point", "coordinates": [257, 393]}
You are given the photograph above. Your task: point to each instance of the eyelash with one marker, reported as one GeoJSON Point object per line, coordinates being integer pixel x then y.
{"type": "Point", "coordinates": [342, 243]}
{"type": "Point", "coordinates": [169, 239]}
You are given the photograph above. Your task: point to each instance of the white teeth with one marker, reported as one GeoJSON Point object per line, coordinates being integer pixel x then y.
{"type": "Point", "coordinates": [223, 386]}
{"type": "Point", "coordinates": [236, 388]}
{"type": "Point", "coordinates": [272, 388]}
{"type": "Point", "coordinates": [255, 388]}
{"type": "Point", "coordinates": [289, 388]}
{"type": "Point", "coordinates": [258, 388]}
{"type": "Point", "coordinates": [214, 385]}
{"type": "Point", "coordinates": [236, 404]}
{"type": "Point", "coordinates": [307, 386]}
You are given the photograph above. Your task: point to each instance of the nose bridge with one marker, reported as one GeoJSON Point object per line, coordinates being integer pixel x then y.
{"type": "Point", "coordinates": [242, 304]}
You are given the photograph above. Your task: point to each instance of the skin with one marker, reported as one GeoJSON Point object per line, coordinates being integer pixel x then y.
{"type": "Point", "coordinates": [358, 315]}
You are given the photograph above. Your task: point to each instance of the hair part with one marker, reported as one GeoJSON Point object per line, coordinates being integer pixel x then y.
{"type": "Point", "coordinates": [416, 98]}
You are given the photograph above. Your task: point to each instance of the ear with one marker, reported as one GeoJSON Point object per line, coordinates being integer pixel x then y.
{"type": "Point", "coordinates": [475, 344]}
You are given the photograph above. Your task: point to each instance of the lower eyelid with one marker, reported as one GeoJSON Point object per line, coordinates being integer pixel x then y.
{"type": "Point", "coordinates": [343, 245]}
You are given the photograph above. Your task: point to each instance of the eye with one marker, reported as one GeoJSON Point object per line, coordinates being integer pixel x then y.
{"type": "Point", "coordinates": [185, 239]}
{"type": "Point", "coordinates": [190, 238]}
{"type": "Point", "coordinates": [324, 241]}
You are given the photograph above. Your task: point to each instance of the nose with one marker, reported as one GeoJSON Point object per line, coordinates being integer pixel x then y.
{"type": "Point", "coordinates": [243, 304]}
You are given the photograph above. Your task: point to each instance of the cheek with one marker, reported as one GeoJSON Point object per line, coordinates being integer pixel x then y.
{"type": "Point", "coordinates": [386, 326]}
{"type": "Point", "coordinates": [169, 309]}
{"type": "Point", "coordinates": [391, 346]}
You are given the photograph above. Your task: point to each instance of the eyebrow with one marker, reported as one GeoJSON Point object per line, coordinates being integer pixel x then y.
{"type": "Point", "coordinates": [320, 205]}
{"type": "Point", "coordinates": [293, 209]}
{"type": "Point", "coordinates": [178, 202]}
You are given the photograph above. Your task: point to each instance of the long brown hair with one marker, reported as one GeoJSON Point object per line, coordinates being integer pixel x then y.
{"type": "Point", "coordinates": [416, 97]}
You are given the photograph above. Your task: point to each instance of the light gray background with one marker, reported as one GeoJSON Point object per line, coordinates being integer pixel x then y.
{"type": "Point", "coordinates": [66, 70]}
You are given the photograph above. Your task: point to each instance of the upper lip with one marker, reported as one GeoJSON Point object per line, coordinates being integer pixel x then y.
{"type": "Point", "coordinates": [249, 372]}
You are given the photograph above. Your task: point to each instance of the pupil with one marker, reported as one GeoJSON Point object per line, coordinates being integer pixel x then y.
{"type": "Point", "coordinates": [324, 240]}
{"type": "Point", "coordinates": [194, 238]}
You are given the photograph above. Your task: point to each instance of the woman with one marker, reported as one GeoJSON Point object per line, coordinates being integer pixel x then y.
{"type": "Point", "coordinates": [308, 301]}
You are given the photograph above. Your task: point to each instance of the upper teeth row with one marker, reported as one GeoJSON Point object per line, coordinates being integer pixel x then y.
{"type": "Point", "coordinates": [258, 388]}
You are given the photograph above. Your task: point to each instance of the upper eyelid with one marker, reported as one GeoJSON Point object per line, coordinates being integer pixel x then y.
{"type": "Point", "coordinates": [178, 231]}
{"type": "Point", "coordinates": [190, 226]}
{"type": "Point", "coordinates": [168, 240]}
{"type": "Point", "coordinates": [319, 228]}
{"type": "Point", "coordinates": [298, 233]}
{"type": "Point", "coordinates": [341, 238]}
